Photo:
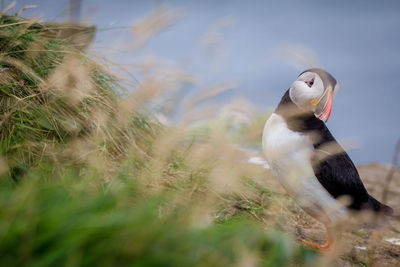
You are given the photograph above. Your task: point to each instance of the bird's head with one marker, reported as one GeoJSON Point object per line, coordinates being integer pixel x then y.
{"type": "Point", "coordinates": [313, 91]}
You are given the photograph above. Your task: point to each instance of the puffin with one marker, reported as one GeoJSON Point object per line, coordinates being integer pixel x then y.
{"type": "Point", "coordinates": [307, 160]}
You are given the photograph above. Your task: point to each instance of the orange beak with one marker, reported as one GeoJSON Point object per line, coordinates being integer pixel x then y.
{"type": "Point", "coordinates": [324, 107]}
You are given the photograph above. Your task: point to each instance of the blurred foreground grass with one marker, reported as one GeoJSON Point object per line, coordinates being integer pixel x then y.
{"type": "Point", "coordinates": [90, 178]}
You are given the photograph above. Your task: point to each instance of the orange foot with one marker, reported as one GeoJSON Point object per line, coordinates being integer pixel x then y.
{"type": "Point", "coordinates": [325, 246]}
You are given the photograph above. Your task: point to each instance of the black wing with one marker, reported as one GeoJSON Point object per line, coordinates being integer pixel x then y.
{"type": "Point", "coordinates": [339, 177]}
{"type": "Point", "coordinates": [334, 170]}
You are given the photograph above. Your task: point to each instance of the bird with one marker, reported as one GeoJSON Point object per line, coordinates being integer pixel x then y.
{"type": "Point", "coordinates": [308, 161]}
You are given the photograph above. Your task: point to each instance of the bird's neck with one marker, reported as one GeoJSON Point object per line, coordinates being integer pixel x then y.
{"type": "Point", "coordinates": [296, 118]}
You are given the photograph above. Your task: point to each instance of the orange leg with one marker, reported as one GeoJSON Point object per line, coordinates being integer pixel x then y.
{"type": "Point", "coordinates": [327, 244]}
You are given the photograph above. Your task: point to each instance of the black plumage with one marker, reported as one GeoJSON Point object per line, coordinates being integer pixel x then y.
{"type": "Point", "coordinates": [335, 171]}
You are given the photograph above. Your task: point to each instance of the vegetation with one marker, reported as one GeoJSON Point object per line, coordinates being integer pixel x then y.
{"type": "Point", "coordinates": [89, 177]}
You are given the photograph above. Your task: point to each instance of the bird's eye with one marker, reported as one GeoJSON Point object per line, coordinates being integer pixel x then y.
{"type": "Point", "coordinates": [310, 82]}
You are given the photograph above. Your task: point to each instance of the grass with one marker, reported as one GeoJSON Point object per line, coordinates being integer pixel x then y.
{"type": "Point", "coordinates": [45, 223]}
{"type": "Point", "coordinates": [90, 178]}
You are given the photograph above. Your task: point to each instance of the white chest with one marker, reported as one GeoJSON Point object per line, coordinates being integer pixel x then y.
{"type": "Point", "coordinates": [289, 155]}
{"type": "Point", "coordinates": [283, 146]}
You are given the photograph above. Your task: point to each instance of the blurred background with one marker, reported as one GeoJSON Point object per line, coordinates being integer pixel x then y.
{"type": "Point", "coordinates": [258, 48]}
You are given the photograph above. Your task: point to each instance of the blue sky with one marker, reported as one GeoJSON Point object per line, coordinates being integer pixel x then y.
{"type": "Point", "coordinates": [358, 42]}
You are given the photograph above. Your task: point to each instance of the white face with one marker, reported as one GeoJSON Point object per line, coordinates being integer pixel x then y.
{"type": "Point", "coordinates": [307, 87]}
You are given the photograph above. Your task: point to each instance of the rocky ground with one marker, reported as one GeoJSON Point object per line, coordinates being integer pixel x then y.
{"type": "Point", "coordinates": [363, 245]}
